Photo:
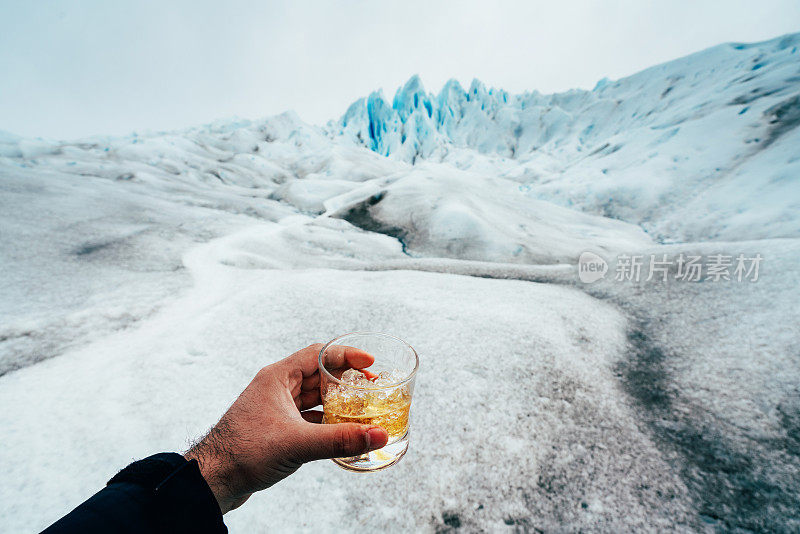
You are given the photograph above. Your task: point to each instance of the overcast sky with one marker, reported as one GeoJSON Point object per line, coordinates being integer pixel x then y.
{"type": "Point", "coordinates": [76, 68]}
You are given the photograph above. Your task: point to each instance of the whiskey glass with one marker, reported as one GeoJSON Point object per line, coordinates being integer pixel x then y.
{"type": "Point", "coordinates": [377, 395]}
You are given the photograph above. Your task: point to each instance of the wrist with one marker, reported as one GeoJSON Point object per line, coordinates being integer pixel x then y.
{"type": "Point", "coordinates": [210, 473]}
{"type": "Point", "coordinates": [214, 461]}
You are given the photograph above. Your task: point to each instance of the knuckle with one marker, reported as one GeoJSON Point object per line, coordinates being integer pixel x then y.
{"type": "Point", "coordinates": [263, 372]}
{"type": "Point", "coordinates": [347, 441]}
{"type": "Point", "coordinates": [295, 376]}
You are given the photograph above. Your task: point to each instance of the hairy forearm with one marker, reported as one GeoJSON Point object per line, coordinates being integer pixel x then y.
{"type": "Point", "coordinates": [214, 454]}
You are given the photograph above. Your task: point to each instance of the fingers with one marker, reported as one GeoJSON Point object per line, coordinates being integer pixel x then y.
{"type": "Point", "coordinates": [306, 360]}
{"type": "Point", "coordinates": [310, 383]}
{"type": "Point", "coordinates": [307, 399]}
{"type": "Point", "coordinates": [370, 375]}
{"type": "Point", "coordinates": [335, 356]}
{"type": "Point", "coordinates": [300, 371]}
{"type": "Point", "coordinates": [338, 440]}
{"type": "Point", "coordinates": [312, 416]}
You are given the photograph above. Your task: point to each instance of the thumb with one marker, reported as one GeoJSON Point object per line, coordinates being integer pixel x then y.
{"type": "Point", "coordinates": [320, 441]}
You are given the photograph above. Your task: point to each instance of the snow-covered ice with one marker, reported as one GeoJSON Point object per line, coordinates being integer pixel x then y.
{"type": "Point", "coordinates": [147, 278]}
{"type": "Point", "coordinates": [684, 148]}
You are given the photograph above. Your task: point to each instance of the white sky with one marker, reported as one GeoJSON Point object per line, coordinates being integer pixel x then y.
{"type": "Point", "coordinates": [75, 68]}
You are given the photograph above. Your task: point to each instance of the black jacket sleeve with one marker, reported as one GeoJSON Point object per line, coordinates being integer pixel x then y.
{"type": "Point", "coordinates": [162, 493]}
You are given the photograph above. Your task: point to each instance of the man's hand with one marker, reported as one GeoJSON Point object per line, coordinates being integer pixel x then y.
{"type": "Point", "coordinates": [270, 431]}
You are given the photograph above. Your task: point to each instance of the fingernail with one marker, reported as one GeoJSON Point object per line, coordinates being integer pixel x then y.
{"type": "Point", "coordinates": [374, 435]}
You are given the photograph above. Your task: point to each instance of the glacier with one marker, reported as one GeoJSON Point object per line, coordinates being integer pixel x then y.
{"type": "Point", "coordinates": [147, 278]}
{"type": "Point", "coordinates": [636, 149]}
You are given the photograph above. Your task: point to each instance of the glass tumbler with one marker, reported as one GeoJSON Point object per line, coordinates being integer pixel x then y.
{"type": "Point", "coordinates": [379, 394]}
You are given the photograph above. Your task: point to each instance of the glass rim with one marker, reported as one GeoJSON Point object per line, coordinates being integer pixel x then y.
{"type": "Point", "coordinates": [407, 379]}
